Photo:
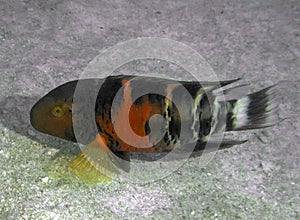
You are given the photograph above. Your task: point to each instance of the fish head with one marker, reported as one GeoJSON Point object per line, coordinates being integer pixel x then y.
{"type": "Point", "coordinates": [52, 114]}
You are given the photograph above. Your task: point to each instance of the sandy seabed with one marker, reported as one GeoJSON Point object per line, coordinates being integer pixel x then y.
{"type": "Point", "coordinates": [46, 43]}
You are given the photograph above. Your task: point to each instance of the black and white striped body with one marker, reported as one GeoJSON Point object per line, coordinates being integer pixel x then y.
{"type": "Point", "coordinates": [190, 110]}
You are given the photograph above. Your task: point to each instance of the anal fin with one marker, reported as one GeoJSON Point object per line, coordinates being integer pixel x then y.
{"type": "Point", "coordinates": [227, 143]}
{"type": "Point", "coordinates": [215, 144]}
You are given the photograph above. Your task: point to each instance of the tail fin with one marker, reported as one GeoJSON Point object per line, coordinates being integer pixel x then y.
{"type": "Point", "coordinates": [257, 110]}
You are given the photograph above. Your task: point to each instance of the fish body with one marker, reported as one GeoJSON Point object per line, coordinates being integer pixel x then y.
{"type": "Point", "coordinates": [190, 112]}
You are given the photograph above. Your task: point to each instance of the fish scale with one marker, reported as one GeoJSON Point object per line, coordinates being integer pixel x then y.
{"type": "Point", "coordinates": [192, 113]}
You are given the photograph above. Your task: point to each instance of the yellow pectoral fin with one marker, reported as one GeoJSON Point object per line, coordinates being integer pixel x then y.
{"type": "Point", "coordinates": [96, 162]}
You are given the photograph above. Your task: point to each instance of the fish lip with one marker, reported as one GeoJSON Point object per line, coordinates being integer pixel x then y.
{"type": "Point", "coordinates": [32, 115]}
{"type": "Point", "coordinates": [34, 109]}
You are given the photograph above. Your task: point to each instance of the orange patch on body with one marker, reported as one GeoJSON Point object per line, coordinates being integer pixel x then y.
{"type": "Point", "coordinates": [140, 114]}
{"type": "Point", "coordinates": [130, 118]}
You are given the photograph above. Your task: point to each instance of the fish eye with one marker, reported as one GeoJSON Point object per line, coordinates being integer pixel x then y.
{"type": "Point", "coordinates": [57, 111]}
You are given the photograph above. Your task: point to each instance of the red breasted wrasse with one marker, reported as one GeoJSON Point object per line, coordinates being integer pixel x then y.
{"type": "Point", "coordinates": [52, 115]}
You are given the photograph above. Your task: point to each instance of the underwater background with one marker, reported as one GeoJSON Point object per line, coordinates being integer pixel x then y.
{"type": "Point", "coordinates": [46, 43]}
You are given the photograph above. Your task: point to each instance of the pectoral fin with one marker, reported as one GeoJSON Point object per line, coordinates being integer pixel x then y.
{"type": "Point", "coordinates": [97, 163]}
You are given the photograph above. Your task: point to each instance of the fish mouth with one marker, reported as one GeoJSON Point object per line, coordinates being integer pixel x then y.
{"type": "Point", "coordinates": [33, 117]}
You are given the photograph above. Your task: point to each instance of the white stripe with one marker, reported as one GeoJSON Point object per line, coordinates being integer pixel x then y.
{"type": "Point", "coordinates": [240, 114]}
{"type": "Point", "coordinates": [214, 118]}
{"type": "Point", "coordinates": [196, 114]}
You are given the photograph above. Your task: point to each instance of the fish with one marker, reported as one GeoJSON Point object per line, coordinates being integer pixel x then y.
{"type": "Point", "coordinates": [202, 109]}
